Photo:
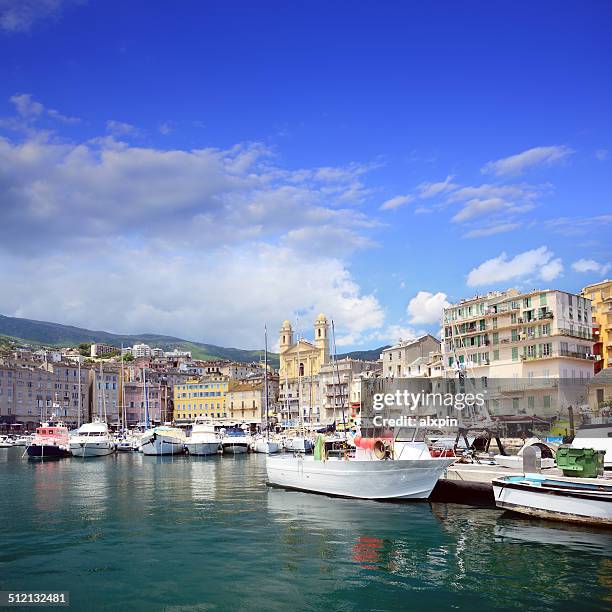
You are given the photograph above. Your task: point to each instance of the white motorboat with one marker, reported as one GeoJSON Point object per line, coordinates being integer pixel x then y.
{"type": "Point", "coordinates": [92, 440]}
{"type": "Point", "coordinates": [372, 472]}
{"type": "Point", "coordinates": [204, 440]}
{"type": "Point", "coordinates": [127, 443]}
{"type": "Point", "coordinates": [235, 441]}
{"type": "Point", "coordinates": [516, 461]}
{"type": "Point", "coordinates": [559, 498]}
{"type": "Point", "coordinates": [266, 446]}
{"type": "Point", "coordinates": [22, 441]}
{"type": "Point", "coordinates": [299, 444]}
{"type": "Point", "coordinates": [6, 442]}
{"type": "Point", "coordinates": [163, 440]}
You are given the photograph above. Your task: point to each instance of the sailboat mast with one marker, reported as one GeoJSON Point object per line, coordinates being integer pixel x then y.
{"type": "Point", "coordinates": [102, 384]}
{"type": "Point", "coordinates": [266, 379]}
{"type": "Point", "coordinates": [79, 411]}
{"type": "Point", "coordinates": [338, 374]}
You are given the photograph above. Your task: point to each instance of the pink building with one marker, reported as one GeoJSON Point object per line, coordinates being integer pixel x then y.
{"type": "Point", "coordinates": [135, 402]}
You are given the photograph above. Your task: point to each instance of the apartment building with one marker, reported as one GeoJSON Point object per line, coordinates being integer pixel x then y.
{"type": "Point", "coordinates": [30, 393]}
{"type": "Point", "coordinates": [600, 295]}
{"type": "Point", "coordinates": [203, 397]}
{"type": "Point", "coordinates": [137, 404]}
{"type": "Point", "coordinates": [98, 349]}
{"type": "Point", "coordinates": [246, 402]}
{"type": "Point", "coordinates": [527, 340]}
{"type": "Point", "coordinates": [339, 388]}
{"type": "Point", "coordinates": [409, 357]}
{"type": "Point", "coordinates": [106, 392]}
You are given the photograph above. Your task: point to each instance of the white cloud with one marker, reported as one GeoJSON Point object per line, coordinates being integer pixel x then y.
{"type": "Point", "coordinates": [517, 164]}
{"type": "Point", "coordinates": [396, 202]}
{"type": "Point", "coordinates": [430, 190]}
{"type": "Point", "coordinates": [119, 128]}
{"type": "Point", "coordinates": [426, 308]}
{"type": "Point", "coordinates": [223, 298]}
{"type": "Point", "coordinates": [29, 110]}
{"type": "Point", "coordinates": [20, 15]}
{"type": "Point", "coordinates": [206, 244]}
{"type": "Point", "coordinates": [492, 230]}
{"type": "Point", "coordinates": [538, 263]}
{"type": "Point", "coordinates": [590, 265]}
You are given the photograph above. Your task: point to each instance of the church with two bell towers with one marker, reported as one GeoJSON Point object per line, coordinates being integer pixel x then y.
{"type": "Point", "coordinates": [298, 357]}
{"type": "Point", "coordinates": [300, 363]}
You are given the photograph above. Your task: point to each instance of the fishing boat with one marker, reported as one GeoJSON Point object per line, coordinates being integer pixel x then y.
{"type": "Point", "coordinates": [560, 498]}
{"type": "Point", "coordinates": [51, 440]}
{"type": "Point", "coordinates": [163, 440]}
{"type": "Point", "coordinates": [92, 440]}
{"type": "Point", "coordinates": [235, 441]}
{"type": "Point", "coordinates": [378, 469]}
{"type": "Point", "coordinates": [204, 440]}
{"type": "Point", "coordinates": [266, 444]}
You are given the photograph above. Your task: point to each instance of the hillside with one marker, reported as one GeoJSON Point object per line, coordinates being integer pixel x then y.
{"type": "Point", "coordinates": [55, 334]}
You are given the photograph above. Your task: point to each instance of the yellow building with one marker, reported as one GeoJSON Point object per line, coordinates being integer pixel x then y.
{"type": "Point", "coordinates": [300, 363]}
{"type": "Point", "coordinates": [600, 295]}
{"type": "Point", "coordinates": [203, 397]}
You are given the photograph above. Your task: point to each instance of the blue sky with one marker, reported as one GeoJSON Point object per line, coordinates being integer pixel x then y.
{"type": "Point", "coordinates": [205, 169]}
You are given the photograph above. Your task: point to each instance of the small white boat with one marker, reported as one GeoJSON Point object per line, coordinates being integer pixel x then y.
{"type": "Point", "coordinates": [204, 440]}
{"type": "Point", "coordinates": [559, 498]}
{"type": "Point", "coordinates": [92, 440]}
{"type": "Point", "coordinates": [299, 444]}
{"type": "Point", "coordinates": [235, 441]}
{"type": "Point", "coordinates": [547, 450]}
{"type": "Point", "coordinates": [371, 473]}
{"type": "Point", "coordinates": [127, 443]}
{"type": "Point", "coordinates": [6, 442]}
{"type": "Point", "coordinates": [265, 446]}
{"type": "Point", "coordinates": [22, 441]}
{"type": "Point", "coordinates": [163, 440]}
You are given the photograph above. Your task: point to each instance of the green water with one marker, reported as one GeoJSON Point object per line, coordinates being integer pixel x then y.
{"type": "Point", "coordinates": [186, 533]}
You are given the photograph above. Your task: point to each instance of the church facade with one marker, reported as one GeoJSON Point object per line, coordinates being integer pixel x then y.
{"type": "Point", "coordinates": [300, 363]}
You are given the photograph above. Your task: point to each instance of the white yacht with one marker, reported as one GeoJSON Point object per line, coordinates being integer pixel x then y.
{"type": "Point", "coordinates": [204, 440]}
{"type": "Point", "coordinates": [6, 442]}
{"type": "Point", "coordinates": [163, 440]}
{"type": "Point", "coordinates": [92, 440]}
{"type": "Point", "coordinates": [379, 469]}
{"type": "Point", "coordinates": [235, 441]}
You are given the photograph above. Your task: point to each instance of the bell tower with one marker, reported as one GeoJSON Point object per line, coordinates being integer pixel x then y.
{"type": "Point", "coordinates": [321, 339]}
{"type": "Point", "coordinates": [286, 337]}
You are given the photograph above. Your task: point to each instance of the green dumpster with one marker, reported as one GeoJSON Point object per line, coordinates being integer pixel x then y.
{"type": "Point", "coordinates": [580, 462]}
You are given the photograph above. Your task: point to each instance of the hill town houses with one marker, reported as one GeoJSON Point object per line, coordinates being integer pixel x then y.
{"type": "Point", "coordinates": [522, 344]}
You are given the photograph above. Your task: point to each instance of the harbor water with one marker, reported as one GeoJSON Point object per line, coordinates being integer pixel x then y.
{"type": "Point", "coordinates": [186, 533]}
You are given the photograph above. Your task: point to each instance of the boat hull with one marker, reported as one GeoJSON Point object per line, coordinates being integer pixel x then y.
{"type": "Point", "coordinates": [162, 445]}
{"type": "Point", "coordinates": [202, 448]}
{"type": "Point", "coordinates": [91, 449]}
{"type": "Point", "coordinates": [559, 504]}
{"type": "Point", "coordinates": [47, 451]}
{"type": "Point", "coordinates": [235, 448]}
{"type": "Point", "coordinates": [399, 479]}
{"type": "Point", "coordinates": [267, 447]}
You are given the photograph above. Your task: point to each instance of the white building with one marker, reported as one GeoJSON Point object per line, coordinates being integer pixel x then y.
{"type": "Point", "coordinates": [141, 350]}
{"type": "Point", "coordinates": [98, 349]}
{"type": "Point", "coordinates": [409, 357]}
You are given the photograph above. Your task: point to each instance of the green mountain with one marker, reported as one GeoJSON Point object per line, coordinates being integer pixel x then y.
{"type": "Point", "coordinates": [44, 333]}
